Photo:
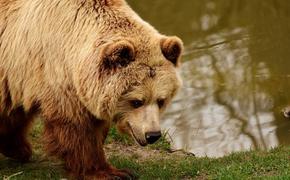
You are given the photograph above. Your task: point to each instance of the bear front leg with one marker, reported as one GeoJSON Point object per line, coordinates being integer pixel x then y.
{"type": "Point", "coordinates": [80, 145]}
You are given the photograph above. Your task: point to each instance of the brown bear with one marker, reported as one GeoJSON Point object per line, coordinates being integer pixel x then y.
{"type": "Point", "coordinates": [82, 65]}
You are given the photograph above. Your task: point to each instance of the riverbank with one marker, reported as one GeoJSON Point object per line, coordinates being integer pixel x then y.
{"type": "Point", "coordinates": [157, 162]}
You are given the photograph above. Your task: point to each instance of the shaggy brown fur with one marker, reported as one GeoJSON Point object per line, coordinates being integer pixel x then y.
{"type": "Point", "coordinates": [79, 64]}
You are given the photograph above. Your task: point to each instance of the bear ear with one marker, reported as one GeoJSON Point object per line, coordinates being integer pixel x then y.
{"type": "Point", "coordinates": [172, 48]}
{"type": "Point", "coordinates": [118, 55]}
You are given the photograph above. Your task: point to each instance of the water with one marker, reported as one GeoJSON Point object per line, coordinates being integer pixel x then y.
{"type": "Point", "coordinates": [235, 70]}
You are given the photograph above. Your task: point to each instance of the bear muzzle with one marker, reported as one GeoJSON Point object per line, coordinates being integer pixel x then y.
{"type": "Point", "coordinates": [152, 137]}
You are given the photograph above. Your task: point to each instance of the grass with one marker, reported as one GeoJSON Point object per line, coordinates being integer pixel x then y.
{"type": "Point", "coordinates": [248, 165]}
{"type": "Point", "coordinates": [156, 162]}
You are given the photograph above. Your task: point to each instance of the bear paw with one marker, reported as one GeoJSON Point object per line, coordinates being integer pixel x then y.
{"type": "Point", "coordinates": [112, 174]}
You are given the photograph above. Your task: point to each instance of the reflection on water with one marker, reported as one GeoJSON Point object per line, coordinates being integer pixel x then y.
{"type": "Point", "coordinates": [236, 72]}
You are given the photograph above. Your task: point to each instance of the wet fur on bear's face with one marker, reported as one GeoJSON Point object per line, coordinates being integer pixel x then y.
{"type": "Point", "coordinates": [139, 108]}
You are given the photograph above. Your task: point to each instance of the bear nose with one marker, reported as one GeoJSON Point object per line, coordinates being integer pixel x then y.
{"type": "Point", "coordinates": [152, 137]}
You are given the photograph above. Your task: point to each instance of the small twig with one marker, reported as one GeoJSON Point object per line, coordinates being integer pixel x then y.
{"type": "Point", "coordinates": [182, 151]}
{"type": "Point", "coordinates": [13, 175]}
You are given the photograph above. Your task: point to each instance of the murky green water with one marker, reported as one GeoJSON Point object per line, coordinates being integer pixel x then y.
{"type": "Point", "coordinates": [236, 72]}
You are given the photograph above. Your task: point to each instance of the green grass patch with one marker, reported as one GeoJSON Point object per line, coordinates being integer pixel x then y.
{"type": "Point", "coordinates": [248, 165]}
{"type": "Point", "coordinates": [36, 169]}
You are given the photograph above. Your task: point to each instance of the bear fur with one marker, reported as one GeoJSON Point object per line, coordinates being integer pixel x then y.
{"type": "Point", "coordinates": [80, 64]}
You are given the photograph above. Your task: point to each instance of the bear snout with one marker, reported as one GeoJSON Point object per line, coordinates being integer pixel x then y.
{"type": "Point", "coordinates": [152, 137]}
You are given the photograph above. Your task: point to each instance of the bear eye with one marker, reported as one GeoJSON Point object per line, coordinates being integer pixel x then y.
{"type": "Point", "coordinates": [136, 103]}
{"type": "Point", "coordinates": [160, 102]}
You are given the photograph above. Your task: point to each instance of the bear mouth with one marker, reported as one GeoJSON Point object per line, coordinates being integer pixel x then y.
{"type": "Point", "coordinates": [139, 141]}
